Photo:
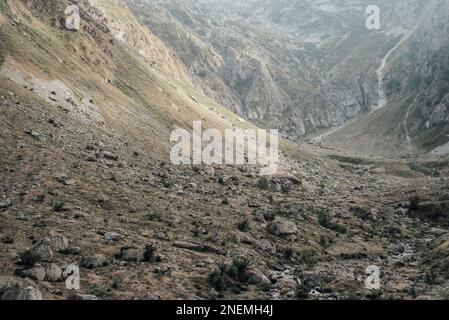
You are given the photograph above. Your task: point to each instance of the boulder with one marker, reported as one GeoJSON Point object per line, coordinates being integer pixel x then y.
{"type": "Point", "coordinates": [4, 204]}
{"type": "Point", "coordinates": [53, 273]}
{"type": "Point", "coordinates": [35, 273]}
{"type": "Point", "coordinates": [20, 290]}
{"type": "Point", "coordinates": [59, 243]}
{"type": "Point", "coordinates": [112, 236]}
{"type": "Point", "coordinates": [40, 252]}
{"type": "Point", "coordinates": [132, 254]}
{"type": "Point", "coordinates": [110, 156]}
{"type": "Point", "coordinates": [95, 261]}
{"type": "Point", "coordinates": [81, 297]}
{"type": "Point", "coordinates": [256, 277]}
{"type": "Point", "coordinates": [281, 227]}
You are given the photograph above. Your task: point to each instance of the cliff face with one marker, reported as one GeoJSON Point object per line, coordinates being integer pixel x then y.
{"type": "Point", "coordinates": [415, 82]}
{"type": "Point", "coordinates": [299, 66]}
{"type": "Point", "coordinates": [86, 116]}
{"type": "Point", "coordinates": [422, 69]}
{"type": "Point", "coordinates": [126, 29]}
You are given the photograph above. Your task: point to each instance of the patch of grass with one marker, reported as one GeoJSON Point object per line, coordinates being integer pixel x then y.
{"type": "Point", "coordinates": [420, 169]}
{"type": "Point", "coordinates": [325, 242]}
{"type": "Point", "coordinates": [363, 213]}
{"type": "Point", "coordinates": [308, 258]}
{"type": "Point", "coordinates": [325, 221]}
{"type": "Point", "coordinates": [243, 225]}
{"type": "Point", "coordinates": [351, 160]}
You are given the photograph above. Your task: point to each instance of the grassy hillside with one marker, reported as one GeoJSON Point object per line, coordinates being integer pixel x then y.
{"type": "Point", "coordinates": [136, 85]}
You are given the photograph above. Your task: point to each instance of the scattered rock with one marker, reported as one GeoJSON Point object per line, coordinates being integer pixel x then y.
{"type": "Point", "coordinates": [20, 290]}
{"type": "Point", "coordinates": [40, 252]}
{"type": "Point", "coordinates": [53, 273]}
{"type": "Point", "coordinates": [132, 254]}
{"type": "Point", "coordinates": [90, 147]}
{"type": "Point", "coordinates": [281, 227]}
{"type": "Point", "coordinates": [35, 273]}
{"type": "Point", "coordinates": [266, 246]}
{"type": "Point", "coordinates": [162, 270]}
{"type": "Point", "coordinates": [95, 261]}
{"type": "Point", "coordinates": [284, 281]}
{"type": "Point", "coordinates": [7, 239]}
{"type": "Point", "coordinates": [5, 204]}
{"type": "Point", "coordinates": [59, 243]}
{"type": "Point", "coordinates": [43, 250]}
{"type": "Point", "coordinates": [32, 133]}
{"type": "Point", "coordinates": [112, 236]}
{"type": "Point", "coordinates": [253, 204]}
{"type": "Point", "coordinates": [198, 247]}
{"type": "Point", "coordinates": [380, 170]}
{"type": "Point", "coordinates": [81, 297]}
{"type": "Point", "coordinates": [258, 278]}
{"type": "Point", "coordinates": [109, 155]}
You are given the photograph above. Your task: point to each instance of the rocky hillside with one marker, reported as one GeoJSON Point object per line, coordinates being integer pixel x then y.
{"type": "Point", "coordinates": [298, 66]}
{"type": "Point", "coordinates": [85, 117]}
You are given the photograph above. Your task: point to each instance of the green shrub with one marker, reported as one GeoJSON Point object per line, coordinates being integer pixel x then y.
{"type": "Point", "coordinates": [325, 221]}
{"type": "Point", "coordinates": [269, 216]}
{"type": "Point", "coordinates": [243, 225]}
{"type": "Point", "coordinates": [263, 183]}
{"type": "Point", "coordinates": [233, 277]}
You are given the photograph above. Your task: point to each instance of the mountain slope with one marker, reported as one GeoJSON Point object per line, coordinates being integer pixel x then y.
{"type": "Point", "coordinates": [255, 58]}
{"type": "Point", "coordinates": [86, 180]}
{"type": "Point", "coordinates": [307, 66]}
{"type": "Point", "coordinates": [417, 89]}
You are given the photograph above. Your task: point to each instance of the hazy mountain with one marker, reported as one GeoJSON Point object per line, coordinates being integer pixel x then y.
{"type": "Point", "coordinates": [88, 105]}
{"type": "Point", "coordinates": [299, 66]}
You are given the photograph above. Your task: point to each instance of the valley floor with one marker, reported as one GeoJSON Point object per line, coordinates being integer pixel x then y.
{"type": "Point", "coordinates": [140, 228]}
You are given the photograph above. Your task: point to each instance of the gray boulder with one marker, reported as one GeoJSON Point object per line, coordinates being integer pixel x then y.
{"type": "Point", "coordinates": [53, 273]}
{"type": "Point", "coordinates": [35, 273]}
{"type": "Point", "coordinates": [82, 297]}
{"type": "Point", "coordinates": [40, 252]}
{"type": "Point", "coordinates": [95, 261]}
{"type": "Point", "coordinates": [281, 227]}
{"type": "Point", "coordinates": [20, 290]}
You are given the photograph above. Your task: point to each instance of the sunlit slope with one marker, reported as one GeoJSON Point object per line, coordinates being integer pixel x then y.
{"type": "Point", "coordinates": [132, 85]}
